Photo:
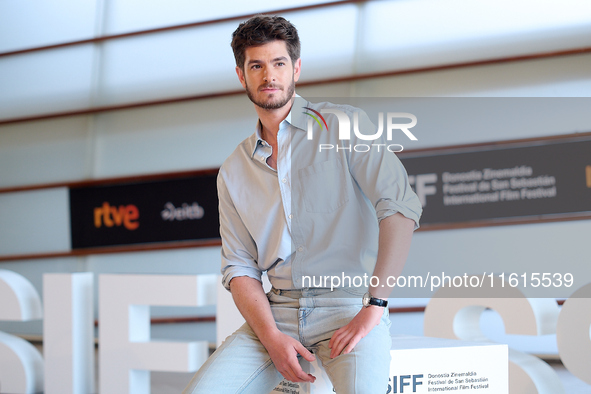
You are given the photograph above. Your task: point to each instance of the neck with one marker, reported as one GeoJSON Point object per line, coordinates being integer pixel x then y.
{"type": "Point", "coordinates": [271, 118]}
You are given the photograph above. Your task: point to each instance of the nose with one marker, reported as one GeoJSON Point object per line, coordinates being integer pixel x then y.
{"type": "Point", "coordinates": [268, 76]}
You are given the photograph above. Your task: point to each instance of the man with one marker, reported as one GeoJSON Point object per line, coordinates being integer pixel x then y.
{"type": "Point", "coordinates": [303, 214]}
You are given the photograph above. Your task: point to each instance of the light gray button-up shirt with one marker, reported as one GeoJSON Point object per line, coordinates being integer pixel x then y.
{"type": "Point", "coordinates": [318, 213]}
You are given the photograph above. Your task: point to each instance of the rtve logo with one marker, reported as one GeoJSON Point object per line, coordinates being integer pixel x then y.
{"type": "Point", "coordinates": [126, 215]}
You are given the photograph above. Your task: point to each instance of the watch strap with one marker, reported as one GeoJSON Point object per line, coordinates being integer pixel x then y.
{"type": "Point", "coordinates": [368, 300]}
{"type": "Point", "coordinates": [378, 302]}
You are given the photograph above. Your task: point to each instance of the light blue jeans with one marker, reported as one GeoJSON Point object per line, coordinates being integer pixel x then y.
{"type": "Point", "coordinates": [242, 365]}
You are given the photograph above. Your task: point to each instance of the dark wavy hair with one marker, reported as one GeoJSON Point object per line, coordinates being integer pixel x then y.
{"type": "Point", "coordinates": [262, 29]}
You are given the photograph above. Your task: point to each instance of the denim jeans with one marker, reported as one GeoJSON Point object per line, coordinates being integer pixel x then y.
{"type": "Point", "coordinates": [242, 365]}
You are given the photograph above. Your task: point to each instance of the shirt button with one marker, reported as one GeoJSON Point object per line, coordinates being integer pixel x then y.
{"type": "Point", "coordinates": [290, 216]}
{"type": "Point", "coordinates": [284, 180]}
{"type": "Point", "coordinates": [300, 249]}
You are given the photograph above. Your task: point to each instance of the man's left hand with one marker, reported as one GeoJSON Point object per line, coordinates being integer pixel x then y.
{"type": "Point", "coordinates": [346, 338]}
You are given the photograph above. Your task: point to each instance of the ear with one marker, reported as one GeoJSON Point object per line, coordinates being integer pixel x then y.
{"type": "Point", "coordinates": [240, 74]}
{"type": "Point", "coordinates": [297, 68]}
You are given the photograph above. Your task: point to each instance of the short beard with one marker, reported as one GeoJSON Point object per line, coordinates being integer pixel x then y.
{"type": "Point", "coordinates": [273, 105]}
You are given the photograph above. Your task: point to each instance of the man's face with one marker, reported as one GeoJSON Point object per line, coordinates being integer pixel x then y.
{"type": "Point", "coordinates": [269, 75]}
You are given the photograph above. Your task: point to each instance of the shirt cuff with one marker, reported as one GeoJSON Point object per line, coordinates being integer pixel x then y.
{"type": "Point", "coordinates": [233, 271]}
{"type": "Point", "coordinates": [386, 207]}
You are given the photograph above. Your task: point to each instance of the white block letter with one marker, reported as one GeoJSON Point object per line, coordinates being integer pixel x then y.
{"type": "Point", "coordinates": [21, 365]}
{"type": "Point", "coordinates": [572, 333]}
{"type": "Point", "coordinates": [68, 333]}
{"type": "Point", "coordinates": [126, 353]}
{"type": "Point", "coordinates": [455, 313]}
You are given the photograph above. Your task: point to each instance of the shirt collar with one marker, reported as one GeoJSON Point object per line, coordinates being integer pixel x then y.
{"type": "Point", "coordinates": [295, 118]}
{"type": "Point", "coordinates": [298, 110]}
{"type": "Point", "coordinates": [257, 138]}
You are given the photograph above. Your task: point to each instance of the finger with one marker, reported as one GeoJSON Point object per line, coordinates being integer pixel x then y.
{"type": "Point", "coordinates": [292, 370]}
{"type": "Point", "coordinates": [286, 369]}
{"type": "Point", "coordinates": [337, 334]}
{"type": "Point", "coordinates": [351, 345]}
{"type": "Point", "coordinates": [291, 375]}
{"type": "Point", "coordinates": [286, 374]}
{"type": "Point", "coordinates": [297, 368]}
{"type": "Point", "coordinates": [301, 376]}
{"type": "Point", "coordinates": [305, 353]}
{"type": "Point", "coordinates": [333, 348]}
{"type": "Point", "coordinates": [339, 345]}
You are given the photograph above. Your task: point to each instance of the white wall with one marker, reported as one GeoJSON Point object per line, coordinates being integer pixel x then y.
{"type": "Point", "coordinates": [378, 36]}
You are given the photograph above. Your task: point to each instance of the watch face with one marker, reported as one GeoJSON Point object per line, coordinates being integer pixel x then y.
{"type": "Point", "coordinates": [369, 300]}
{"type": "Point", "coordinates": [366, 298]}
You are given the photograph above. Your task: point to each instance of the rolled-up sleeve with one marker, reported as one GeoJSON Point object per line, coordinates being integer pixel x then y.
{"type": "Point", "coordinates": [382, 177]}
{"type": "Point", "coordinates": [239, 251]}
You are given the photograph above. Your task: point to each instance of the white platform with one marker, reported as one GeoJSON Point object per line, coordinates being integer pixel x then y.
{"type": "Point", "coordinates": [422, 364]}
{"type": "Point", "coordinates": [419, 363]}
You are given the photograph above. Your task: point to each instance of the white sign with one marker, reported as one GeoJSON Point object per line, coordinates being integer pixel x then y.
{"type": "Point", "coordinates": [127, 354]}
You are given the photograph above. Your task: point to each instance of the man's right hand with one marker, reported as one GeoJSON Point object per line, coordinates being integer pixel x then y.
{"type": "Point", "coordinates": [252, 302]}
{"type": "Point", "coordinates": [283, 351]}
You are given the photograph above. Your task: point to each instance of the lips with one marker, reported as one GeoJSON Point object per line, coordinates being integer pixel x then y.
{"type": "Point", "coordinates": [269, 88]}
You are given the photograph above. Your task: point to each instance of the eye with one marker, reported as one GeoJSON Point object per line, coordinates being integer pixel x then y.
{"type": "Point", "coordinates": [281, 64]}
{"type": "Point", "coordinates": [255, 67]}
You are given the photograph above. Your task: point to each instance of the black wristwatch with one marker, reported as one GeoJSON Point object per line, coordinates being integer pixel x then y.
{"type": "Point", "coordinates": [368, 300]}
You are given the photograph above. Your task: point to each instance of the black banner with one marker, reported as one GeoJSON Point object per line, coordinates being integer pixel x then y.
{"type": "Point", "coordinates": [503, 182]}
{"type": "Point", "coordinates": [145, 212]}
{"type": "Point", "coordinates": [500, 183]}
